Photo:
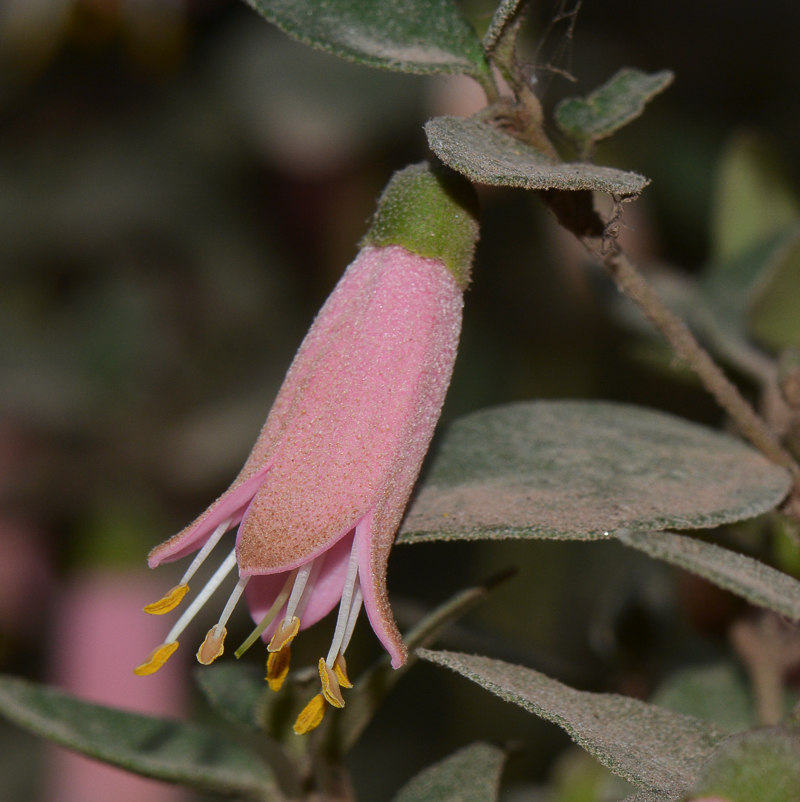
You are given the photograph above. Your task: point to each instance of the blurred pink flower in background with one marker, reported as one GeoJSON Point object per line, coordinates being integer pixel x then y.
{"type": "Point", "coordinates": [99, 633]}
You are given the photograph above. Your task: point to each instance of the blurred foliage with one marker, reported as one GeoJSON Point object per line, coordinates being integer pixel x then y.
{"type": "Point", "coordinates": [180, 187]}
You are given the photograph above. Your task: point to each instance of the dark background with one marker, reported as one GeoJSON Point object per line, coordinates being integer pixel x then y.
{"type": "Point", "coordinates": [180, 188]}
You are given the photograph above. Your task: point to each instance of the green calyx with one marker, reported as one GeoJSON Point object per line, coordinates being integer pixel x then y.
{"type": "Point", "coordinates": [431, 211]}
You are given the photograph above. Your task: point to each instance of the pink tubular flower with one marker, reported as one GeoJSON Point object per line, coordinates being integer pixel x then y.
{"type": "Point", "coordinates": [321, 496]}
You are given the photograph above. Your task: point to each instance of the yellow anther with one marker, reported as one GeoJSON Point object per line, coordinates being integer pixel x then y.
{"type": "Point", "coordinates": [284, 634]}
{"type": "Point", "coordinates": [212, 647]}
{"type": "Point", "coordinates": [278, 667]}
{"type": "Point", "coordinates": [330, 685]}
{"type": "Point", "coordinates": [169, 601]}
{"type": "Point", "coordinates": [311, 715]}
{"type": "Point", "coordinates": [156, 659]}
{"type": "Point", "coordinates": [340, 669]}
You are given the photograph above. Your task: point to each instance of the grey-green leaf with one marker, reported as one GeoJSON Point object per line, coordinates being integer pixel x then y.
{"type": "Point", "coordinates": [470, 775]}
{"type": "Point", "coordinates": [752, 201]}
{"type": "Point", "coordinates": [503, 16]}
{"type": "Point", "coordinates": [585, 469]}
{"type": "Point", "coordinates": [488, 156]}
{"type": "Point", "coordinates": [419, 36]}
{"type": "Point", "coordinates": [613, 105]}
{"type": "Point", "coordinates": [655, 749]}
{"type": "Point", "coordinates": [234, 690]}
{"type": "Point", "coordinates": [172, 751]}
{"type": "Point", "coordinates": [758, 583]}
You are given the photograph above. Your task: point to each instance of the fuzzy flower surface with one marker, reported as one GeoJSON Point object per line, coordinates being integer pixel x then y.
{"type": "Point", "coordinates": [321, 496]}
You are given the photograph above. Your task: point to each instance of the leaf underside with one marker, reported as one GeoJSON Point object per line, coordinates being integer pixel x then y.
{"type": "Point", "coordinates": [234, 690]}
{"type": "Point", "coordinates": [470, 775]}
{"type": "Point", "coordinates": [167, 750]}
{"type": "Point", "coordinates": [758, 583]}
{"type": "Point", "coordinates": [658, 751]}
{"type": "Point", "coordinates": [488, 156]}
{"type": "Point", "coordinates": [582, 470]}
{"type": "Point", "coordinates": [418, 36]}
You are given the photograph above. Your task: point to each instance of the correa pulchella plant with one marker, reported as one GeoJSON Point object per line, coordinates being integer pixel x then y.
{"type": "Point", "coordinates": [321, 498]}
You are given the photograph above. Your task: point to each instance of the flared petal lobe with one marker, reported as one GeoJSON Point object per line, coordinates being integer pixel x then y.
{"type": "Point", "coordinates": [355, 415]}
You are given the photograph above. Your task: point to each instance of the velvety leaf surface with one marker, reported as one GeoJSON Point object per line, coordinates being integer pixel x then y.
{"type": "Point", "coordinates": [503, 15]}
{"type": "Point", "coordinates": [488, 156]}
{"type": "Point", "coordinates": [758, 583]}
{"type": "Point", "coordinates": [234, 690]}
{"type": "Point", "coordinates": [583, 470]}
{"type": "Point", "coordinates": [421, 36]}
{"type": "Point", "coordinates": [611, 106]}
{"type": "Point", "coordinates": [650, 796]}
{"type": "Point", "coordinates": [470, 775]}
{"type": "Point", "coordinates": [655, 749]}
{"type": "Point", "coordinates": [165, 750]}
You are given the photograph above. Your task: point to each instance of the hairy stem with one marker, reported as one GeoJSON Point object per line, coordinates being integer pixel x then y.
{"type": "Point", "coordinates": [633, 284]}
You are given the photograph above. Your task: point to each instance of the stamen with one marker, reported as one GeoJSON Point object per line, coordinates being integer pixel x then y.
{"type": "Point", "coordinates": [214, 643]}
{"type": "Point", "coordinates": [330, 685]}
{"type": "Point", "coordinates": [201, 555]}
{"type": "Point", "coordinates": [311, 715]}
{"type": "Point", "coordinates": [340, 664]}
{"type": "Point", "coordinates": [297, 591]}
{"type": "Point", "coordinates": [270, 616]}
{"type": "Point", "coordinates": [301, 593]}
{"type": "Point", "coordinates": [156, 659]}
{"type": "Point", "coordinates": [355, 609]}
{"type": "Point", "coordinates": [344, 606]}
{"type": "Point", "coordinates": [278, 667]}
{"type": "Point", "coordinates": [309, 588]}
{"type": "Point", "coordinates": [204, 595]}
{"type": "Point", "coordinates": [168, 602]}
{"type": "Point", "coordinates": [174, 596]}
{"type": "Point", "coordinates": [340, 669]}
{"type": "Point", "coordinates": [284, 634]}
{"type": "Point", "coordinates": [212, 647]}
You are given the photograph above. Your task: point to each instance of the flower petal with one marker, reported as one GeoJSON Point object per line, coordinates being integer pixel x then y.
{"type": "Point", "coordinates": [262, 590]}
{"type": "Point", "coordinates": [231, 504]}
{"type": "Point", "coordinates": [377, 362]}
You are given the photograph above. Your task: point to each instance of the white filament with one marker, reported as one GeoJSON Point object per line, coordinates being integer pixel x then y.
{"type": "Point", "coordinates": [344, 606]}
{"type": "Point", "coordinates": [309, 589]}
{"type": "Point", "coordinates": [202, 597]}
{"type": "Point", "coordinates": [355, 609]}
{"type": "Point", "coordinates": [206, 550]}
{"type": "Point", "coordinates": [297, 591]}
{"type": "Point", "coordinates": [232, 601]}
